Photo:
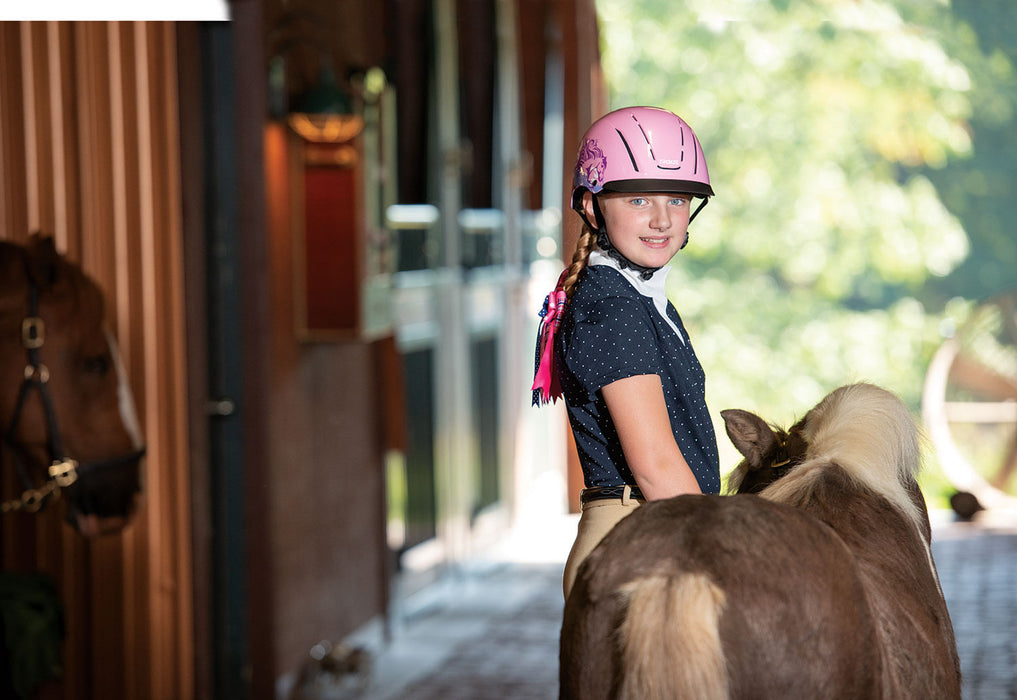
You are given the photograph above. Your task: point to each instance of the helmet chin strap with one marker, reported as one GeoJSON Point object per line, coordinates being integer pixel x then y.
{"type": "Point", "coordinates": [604, 243]}
{"type": "Point", "coordinates": [698, 209]}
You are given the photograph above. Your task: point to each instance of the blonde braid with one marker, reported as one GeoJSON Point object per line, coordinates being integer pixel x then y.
{"type": "Point", "coordinates": [580, 258]}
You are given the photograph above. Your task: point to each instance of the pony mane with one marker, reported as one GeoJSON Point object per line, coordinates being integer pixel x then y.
{"type": "Point", "coordinates": [868, 432]}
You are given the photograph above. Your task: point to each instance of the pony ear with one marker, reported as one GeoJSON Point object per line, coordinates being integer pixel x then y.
{"type": "Point", "coordinates": [43, 260]}
{"type": "Point", "coordinates": [750, 434]}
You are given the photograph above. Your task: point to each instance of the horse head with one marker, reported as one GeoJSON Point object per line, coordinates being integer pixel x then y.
{"type": "Point", "coordinates": [864, 429]}
{"type": "Point", "coordinates": [769, 452]}
{"type": "Point", "coordinates": [66, 411]}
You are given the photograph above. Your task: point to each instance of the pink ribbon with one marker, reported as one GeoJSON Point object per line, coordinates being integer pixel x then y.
{"type": "Point", "coordinates": [546, 385]}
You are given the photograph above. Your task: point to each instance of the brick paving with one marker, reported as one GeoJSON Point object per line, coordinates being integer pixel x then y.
{"type": "Point", "coordinates": [491, 631]}
{"type": "Point", "coordinates": [978, 571]}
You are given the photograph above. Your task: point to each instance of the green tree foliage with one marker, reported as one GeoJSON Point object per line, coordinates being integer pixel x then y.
{"type": "Point", "coordinates": [980, 189]}
{"type": "Point", "coordinates": [840, 141]}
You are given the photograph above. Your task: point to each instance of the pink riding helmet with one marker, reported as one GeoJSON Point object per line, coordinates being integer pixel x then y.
{"type": "Point", "coordinates": [640, 149]}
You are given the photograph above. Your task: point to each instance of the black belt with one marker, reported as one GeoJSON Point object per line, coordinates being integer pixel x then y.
{"type": "Point", "coordinates": [607, 492]}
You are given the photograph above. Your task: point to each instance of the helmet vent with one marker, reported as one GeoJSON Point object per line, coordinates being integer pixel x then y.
{"type": "Point", "coordinates": [695, 154]}
{"type": "Point", "coordinates": [635, 166]}
{"type": "Point", "coordinates": [649, 146]}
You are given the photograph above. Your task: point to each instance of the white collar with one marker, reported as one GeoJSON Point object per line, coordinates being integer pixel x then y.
{"type": "Point", "coordinates": [653, 287]}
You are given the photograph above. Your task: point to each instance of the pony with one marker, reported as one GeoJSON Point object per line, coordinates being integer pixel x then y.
{"type": "Point", "coordinates": [66, 411]}
{"type": "Point", "coordinates": [815, 580]}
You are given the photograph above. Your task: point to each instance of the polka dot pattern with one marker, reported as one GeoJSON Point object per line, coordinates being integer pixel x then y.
{"type": "Point", "coordinates": [610, 331]}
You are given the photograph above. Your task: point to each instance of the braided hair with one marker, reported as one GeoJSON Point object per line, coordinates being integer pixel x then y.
{"type": "Point", "coordinates": [580, 259]}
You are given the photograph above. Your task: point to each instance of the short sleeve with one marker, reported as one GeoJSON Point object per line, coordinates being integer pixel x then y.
{"type": "Point", "coordinates": [613, 340]}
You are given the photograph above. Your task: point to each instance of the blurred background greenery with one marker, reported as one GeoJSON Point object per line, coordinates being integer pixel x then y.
{"type": "Point", "coordinates": [865, 165]}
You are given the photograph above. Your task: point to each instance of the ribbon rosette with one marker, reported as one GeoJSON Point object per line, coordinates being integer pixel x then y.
{"type": "Point", "coordinates": [546, 387]}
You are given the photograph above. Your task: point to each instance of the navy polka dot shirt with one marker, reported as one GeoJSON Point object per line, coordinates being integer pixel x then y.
{"type": "Point", "coordinates": [611, 331]}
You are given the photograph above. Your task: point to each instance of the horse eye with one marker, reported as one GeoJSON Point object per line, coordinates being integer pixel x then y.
{"type": "Point", "coordinates": [98, 364]}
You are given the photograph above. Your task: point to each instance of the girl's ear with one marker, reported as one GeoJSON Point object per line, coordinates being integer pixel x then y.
{"type": "Point", "coordinates": [588, 206]}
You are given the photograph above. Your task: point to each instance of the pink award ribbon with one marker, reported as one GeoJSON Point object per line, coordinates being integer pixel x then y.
{"type": "Point", "coordinates": [546, 386]}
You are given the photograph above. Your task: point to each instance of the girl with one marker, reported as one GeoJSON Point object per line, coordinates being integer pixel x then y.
{"type": "Point", "coordinates": [610, 341]}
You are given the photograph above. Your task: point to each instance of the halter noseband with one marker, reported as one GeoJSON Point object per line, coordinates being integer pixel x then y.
{"type": "Point", "coordinates": [63, 470]}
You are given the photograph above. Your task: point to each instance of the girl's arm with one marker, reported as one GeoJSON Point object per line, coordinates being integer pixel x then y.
{"type": "Point", "coordinates": [640, 416]}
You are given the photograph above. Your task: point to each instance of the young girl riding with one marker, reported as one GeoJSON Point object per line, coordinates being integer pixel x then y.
{"type": "Point", "coordinates": [611, 342]}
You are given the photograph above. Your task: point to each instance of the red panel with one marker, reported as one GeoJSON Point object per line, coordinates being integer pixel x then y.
{"type": "Point", "coordinates": [330, 251]}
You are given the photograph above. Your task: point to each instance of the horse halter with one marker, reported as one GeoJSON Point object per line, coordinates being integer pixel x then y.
{"type": "Point", "coordinates": [63, 470]}
{"type": "Point", "coordinates": [783, 461]}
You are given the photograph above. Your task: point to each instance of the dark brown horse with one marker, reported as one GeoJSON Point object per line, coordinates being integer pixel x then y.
{"type": "Point", "coordinates": [66, 413]}
{"type": "Point", "coordinates": [821, 586]}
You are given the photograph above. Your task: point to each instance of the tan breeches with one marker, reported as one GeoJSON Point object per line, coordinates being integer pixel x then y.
{"type": "Point", "coordinates": [596, 520]}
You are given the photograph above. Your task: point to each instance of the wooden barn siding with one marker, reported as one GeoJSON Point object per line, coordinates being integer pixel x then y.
{"type": "Point", "coordinates": [89, 154]}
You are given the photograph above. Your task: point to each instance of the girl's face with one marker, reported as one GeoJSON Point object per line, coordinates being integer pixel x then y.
{"type": "Point", "coordinates": [648, 229]}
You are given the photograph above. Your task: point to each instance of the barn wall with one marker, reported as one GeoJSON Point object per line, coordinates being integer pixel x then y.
{"type": "Point", "coordinates": [90, 151]}
{"type": "Point", "coordinates": [324, 524]}
{"type": "Point", "coordinates": [89, 154]}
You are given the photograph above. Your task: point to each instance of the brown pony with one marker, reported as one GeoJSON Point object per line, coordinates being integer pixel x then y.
{"type": "Point", "coordinates": [66, 413]}
{"type": "Point", "coordinates": [821, 586]}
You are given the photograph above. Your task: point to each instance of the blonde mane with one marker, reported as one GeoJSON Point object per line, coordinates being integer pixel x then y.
{"type": "Point", "coordinates": [868, 432]}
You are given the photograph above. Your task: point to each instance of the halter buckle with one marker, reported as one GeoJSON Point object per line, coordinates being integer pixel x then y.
{"type": "Point", "coordinates": [33, 332]}
{"type": "Point", "coordinates": [32, 500]}
{"type": "Point", "coordinates": [39, 373]}
{"type": "Point", "coordinates": [64, 472]}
